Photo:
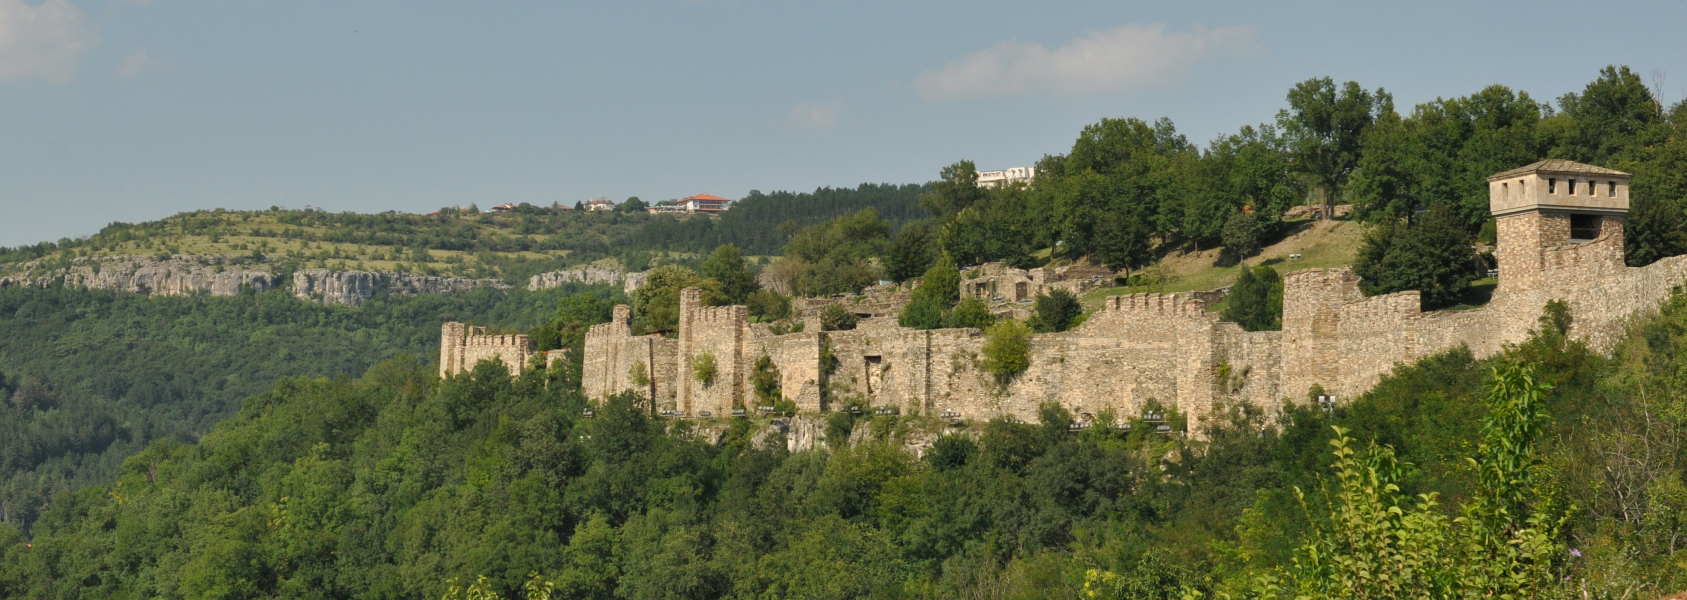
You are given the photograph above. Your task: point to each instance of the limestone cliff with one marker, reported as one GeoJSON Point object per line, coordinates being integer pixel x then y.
{"type": "Point", "coordinates": [354, 287]}
{"type": "Point", "coordinates": [589, 274]}
{"type": "Point", "coordinates": [218, 275]}
{"type": "Point", "coordinates": [177, 275]}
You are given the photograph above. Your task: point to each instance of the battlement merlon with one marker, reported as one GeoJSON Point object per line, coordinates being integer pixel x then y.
{"type": "Point", "coordinates": [1160, 304]}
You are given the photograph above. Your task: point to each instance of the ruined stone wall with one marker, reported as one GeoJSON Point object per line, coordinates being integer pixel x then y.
{"type": "Point", "coordinates": [462, 347]}
{"type": "Point", "coordinates": [719, 332]}
{"type": "Point", "coordinates": [1168, 347]}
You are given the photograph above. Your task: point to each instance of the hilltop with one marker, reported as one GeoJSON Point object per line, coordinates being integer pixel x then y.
{"type": "Point", "coordinates": [510, 246]}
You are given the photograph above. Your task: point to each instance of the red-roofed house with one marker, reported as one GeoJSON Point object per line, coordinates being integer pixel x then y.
{"type": "Point", "coordinates": [706, 204]}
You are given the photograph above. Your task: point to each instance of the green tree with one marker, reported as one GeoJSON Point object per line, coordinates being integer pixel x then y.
{"type": "Point", "coordinates": [942, 283]}
{"type": "Point", "coordinates": [1433, 255]}
{"type": "Point", "coordinates": [1325, 129]}
{"type": "Point", "coordinates": [1123, 244]}
{"type": "Point", "coordinates": [1256, 300]}
{"type": "Point", "coordinates": [971, 312]}
{"type": "Point", "coordinates": [1612, 120]}
{"type": "Point", "coordinates": [769, 305]}
{"type": "Point", "coordinates": [957, 190]}
{"type": "Point", "coordinates": [1654, 229]}
{"type": "Point", "coordinates": [727, 266]}
{"type": "Point", "coordinates": [910, 254]}
{"type": "Point", "coordinates": [1241, 236]}
{"type": "Point", "coordinates": [632, 205]}
{"type": "Point", "coordinates": [836, 255]}
{"type": "Point", "coordinates": [1055, 311]}
{"type": "Point", "coordinates": [922, 312]}
{"type": "Point", "coordinates": [656, 303]}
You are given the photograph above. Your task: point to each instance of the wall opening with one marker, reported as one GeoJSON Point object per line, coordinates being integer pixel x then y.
{"type": "Point", "coordinates": [1590, 183]}
{"type": "Point", "coordinates": [1611, 190]}
{"type": "Point", "coordinates": [1019, 291]}
{"type": "Point", "coordinates": [1552, 185]}
{"type": "Point", "coordinates": [875, 372]}
{"type": "Point", "coordinates": [1584, 227]}
{"type": "Point", "coordinates": [1572, 187]}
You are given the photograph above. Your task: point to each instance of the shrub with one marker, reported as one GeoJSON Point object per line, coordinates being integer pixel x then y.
{"type": "Point", "coordinates": [765, 379]}
{"type": "Point", "coordinates": [703, 369]}
{"type": "Point", "coordinates": [972, 312]}
{"type": "Point", "coordinates": [1256, 300]}
{"type": "Point", "coordinates": [1007, 350]}
{"type": "Point", "coordinates": [769, 305]}
{"type": "Point", "coordinates": [923, 312]}
{"type": "Point", "coordinates": [836, 318]}
{"type": "Point", "coordinates": [1055, 311]}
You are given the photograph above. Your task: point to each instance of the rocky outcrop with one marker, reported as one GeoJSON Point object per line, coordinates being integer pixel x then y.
{"type": "Point", "coordinates": [589, 274]}
{"type": "Point", "coordinates": [353, 288]}
{"type": "Point", "coordinates": [178, 275]}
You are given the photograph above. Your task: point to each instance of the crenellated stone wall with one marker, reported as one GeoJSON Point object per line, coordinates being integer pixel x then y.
{"type": "Point", "coordinates": [461, 347]}
{"type": "Point", "coordinates": [1168, 348]}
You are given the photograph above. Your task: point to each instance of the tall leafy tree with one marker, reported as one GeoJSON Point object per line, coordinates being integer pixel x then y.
{"type": "Point", "coordinates": [1433, 255]}
{"type": "Point", "coordinates": [957, 190]}
{"type": "Point", "coordinates": [1256, 300]}
{"type": "Point", "coordinates": [1325, 128]}
{"type": "Point", "coordinates": [727, 266]}
{"type": "Point", "coordinates": [911, 253]}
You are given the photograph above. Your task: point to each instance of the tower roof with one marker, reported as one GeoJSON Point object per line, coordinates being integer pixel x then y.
{"type": "Point", "coordinates": [1557, 165]}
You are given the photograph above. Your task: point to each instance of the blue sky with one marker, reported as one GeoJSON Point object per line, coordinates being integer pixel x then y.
{"type": "Point", "coordinates": [134, 110]}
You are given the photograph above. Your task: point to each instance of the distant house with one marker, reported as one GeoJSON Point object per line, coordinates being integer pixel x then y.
{"type": "Point", "coordinates": [600, 204]}
{"type": "Point", "coordinates": [1000, 178]}
{"type": "Point", "coordinates": [666, 209]}
{"type": "Point", "coordinates": [706, 204]}
{"type": "Point", "coordinates": [503, 208]}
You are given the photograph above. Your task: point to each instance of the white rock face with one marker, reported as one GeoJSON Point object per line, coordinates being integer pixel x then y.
{"type": "Point", "coordinates": [589, 274]}
{"type": "Point", "coordinates": [188, 274]}
{"type": "Point", "coordinates": [353, 288]}
{"type": "Point", "coordinates": [179, 275]}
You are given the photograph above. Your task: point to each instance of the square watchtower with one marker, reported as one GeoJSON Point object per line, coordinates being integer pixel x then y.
{"type": "Point", "coordinates": [1547, 209]}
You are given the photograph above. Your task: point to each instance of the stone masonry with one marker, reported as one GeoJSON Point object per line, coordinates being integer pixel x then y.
{"type": "Point", "coordinates": [1560, 237]}
{"type": "Point", "coordinates": [461, 347]}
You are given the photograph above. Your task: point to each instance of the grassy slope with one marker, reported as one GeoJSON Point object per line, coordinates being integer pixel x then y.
{"type": "Point", "coordinates": [1321, 244]}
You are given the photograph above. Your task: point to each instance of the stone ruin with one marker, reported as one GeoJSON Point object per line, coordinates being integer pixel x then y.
{"type": "Point", "coordinates": [1560, 238]}
{"type": "Point", "coordinates": [463, 346]}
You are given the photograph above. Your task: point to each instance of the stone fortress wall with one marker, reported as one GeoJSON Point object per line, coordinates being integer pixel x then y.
{"type": "Point", "coordinates": [462, 346]}
{"type": "Point", "coordinates": [1167, 347]}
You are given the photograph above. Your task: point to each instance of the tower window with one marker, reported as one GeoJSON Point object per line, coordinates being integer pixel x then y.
{"type": "Point", "coordinates": [1552, 185]}
{"type": "Point", "coordinates": [1590, 187]}
{"type": "Point", "coordinates": [1572, 187]}
{"type": "Point", "coordinates": [1505, 190]}
{"type": "Point", "coordinates": [1612, 190]}
{"type": "Point", "coordinates": [1523, 186]}
{"type": "Point", "coordinates": [1584, 227]}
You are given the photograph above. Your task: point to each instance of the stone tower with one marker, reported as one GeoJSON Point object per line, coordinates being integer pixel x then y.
{"type": "Point", "coordinates": [1554, 211]}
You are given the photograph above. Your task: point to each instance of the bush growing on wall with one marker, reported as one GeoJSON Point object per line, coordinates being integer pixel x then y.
{"type": "Point", "coordinates": [836, 318]}
{"type": "Point", "coordinates": [1256, 300]}
{"type": "Point", "coordinates": [703, 369]}
{"type": "Point", "coordinates": [1007, 349]}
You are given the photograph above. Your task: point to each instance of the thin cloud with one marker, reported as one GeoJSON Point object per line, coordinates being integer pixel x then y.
{"type": "Point", "coordinates": [140, 62]}
{"type": "Point", "coordinates": [1131, 57]}
{"type": "Point", "coordinates": [814, 117]}
{"type": "Point", "coordinates": [45, 41]}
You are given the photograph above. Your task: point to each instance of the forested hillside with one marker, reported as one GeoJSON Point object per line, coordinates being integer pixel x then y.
{"type": "Point", "coordinates": [394, 484]}
{"type": "Point", "coordinates": [91, 377]}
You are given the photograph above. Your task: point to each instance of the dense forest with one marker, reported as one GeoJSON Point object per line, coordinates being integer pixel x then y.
{"type": "Point", "coordinates": [92, 377]}
{"type": "Point", "coordinates": [1547, 471]}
